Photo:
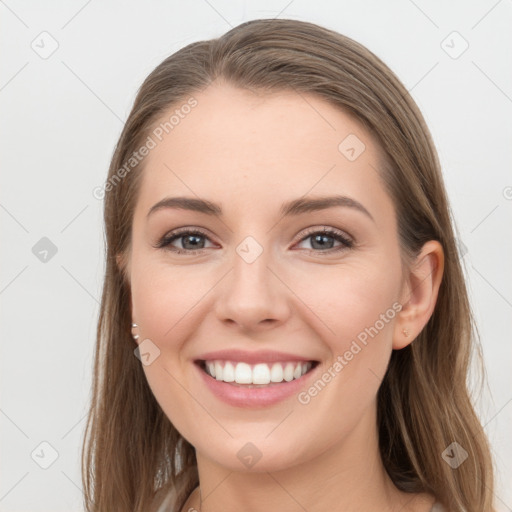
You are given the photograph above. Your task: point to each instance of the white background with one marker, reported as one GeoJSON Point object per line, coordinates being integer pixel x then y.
{"type": "Point", "coordinates": [61, 117]}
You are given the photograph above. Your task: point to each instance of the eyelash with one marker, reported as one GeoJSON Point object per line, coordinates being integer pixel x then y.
{"type": "Point", "coordinates": [164, 243]}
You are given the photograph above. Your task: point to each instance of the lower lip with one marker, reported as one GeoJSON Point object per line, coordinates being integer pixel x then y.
{"type": "Point", "coordinates": [239, 396]}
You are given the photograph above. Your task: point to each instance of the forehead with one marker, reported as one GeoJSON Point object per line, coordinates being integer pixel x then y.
{"type": "Point", "coordinates": [258, 125]}
{"type": "Point", "coordinates": [240, 144]}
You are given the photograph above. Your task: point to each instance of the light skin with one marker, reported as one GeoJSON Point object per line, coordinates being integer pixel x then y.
{"type": "Point", "coordinates": [250, 153]}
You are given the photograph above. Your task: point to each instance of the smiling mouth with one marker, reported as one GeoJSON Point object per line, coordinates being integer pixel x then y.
{"type": "Point", "coordinates": [238, 373]}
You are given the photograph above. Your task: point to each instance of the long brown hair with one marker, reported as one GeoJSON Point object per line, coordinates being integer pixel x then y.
{"type": "Point", "coordinates": [131, 450]}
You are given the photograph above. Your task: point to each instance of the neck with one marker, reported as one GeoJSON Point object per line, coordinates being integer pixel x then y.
{"type": "Point", "coordinates": [349, 474]}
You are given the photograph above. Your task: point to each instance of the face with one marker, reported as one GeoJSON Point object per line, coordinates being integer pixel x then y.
{"type": "Point", "coordinates": [316, 285]}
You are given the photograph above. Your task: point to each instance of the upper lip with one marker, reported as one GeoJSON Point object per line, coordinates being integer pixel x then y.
{"type": "Point", "coordinates": [261, 356]}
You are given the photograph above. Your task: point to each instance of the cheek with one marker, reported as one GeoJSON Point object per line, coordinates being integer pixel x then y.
{"type": "Point", "coordinates": [338, 307]}
{"type": "Point", "coordinates": [360, 313]}
{"type": "Point", "coordinates": [349, 300]}
{"type": "Point", "coordinates": [163, 301]}
{"type": "Point", "coordinates": [355, 307]}
{"type": "Point", "coordinates": [163, 297]}
{"type": "Point", "coordinates": [338, 304]}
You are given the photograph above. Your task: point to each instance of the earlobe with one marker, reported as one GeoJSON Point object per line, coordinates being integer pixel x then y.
{"type": "Point", "coordinates": [135, 332]}
{"type": "Point", "coordinates": [420, 294]}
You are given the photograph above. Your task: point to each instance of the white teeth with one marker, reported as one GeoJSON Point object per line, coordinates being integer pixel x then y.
{"type": "Point", "coordinates": [276, 374]}
{"type": "Point", "coordinates": [288, 372]}
{"type": "Point", "coordinates": [228, 373]}
{"type": "Point", "coordinates": [243, 373]}
{"type": "Point", "coordinates": [218, 370]}
{"type": "Point", "coordinates": [259, 374]}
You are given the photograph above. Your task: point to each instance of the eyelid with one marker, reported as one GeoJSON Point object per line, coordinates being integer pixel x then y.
{"type": "Point", "coordinates": [329, 230]}
{"type": "Point", "coordinates": [175, 234]}
{"type": "Point", "coordinates": [346, 240]}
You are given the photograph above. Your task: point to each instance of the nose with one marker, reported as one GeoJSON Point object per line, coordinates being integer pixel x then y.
{"type": "Point", "coordinates": [252, 295]}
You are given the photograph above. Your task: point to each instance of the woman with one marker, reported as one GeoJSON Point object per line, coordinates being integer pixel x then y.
{"type": "Point", "coordinates": [284, 322]}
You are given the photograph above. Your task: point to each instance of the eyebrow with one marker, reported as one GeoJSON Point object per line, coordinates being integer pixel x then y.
{"type": "Point", "coordinates": [294, 207]}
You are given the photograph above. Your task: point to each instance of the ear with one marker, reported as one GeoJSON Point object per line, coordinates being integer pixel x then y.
{"type": "Point", "coordinates": [419, 294]}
